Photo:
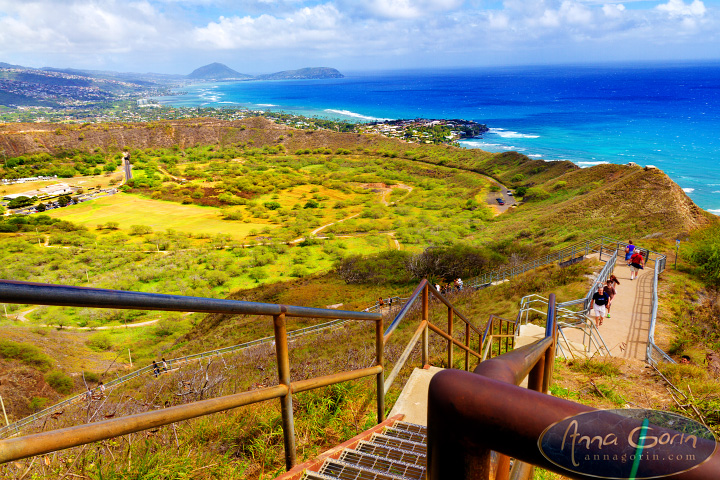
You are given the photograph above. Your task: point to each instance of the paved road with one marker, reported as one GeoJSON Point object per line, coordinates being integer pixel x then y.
{"type": "Point", "coordinates": [504, 193]}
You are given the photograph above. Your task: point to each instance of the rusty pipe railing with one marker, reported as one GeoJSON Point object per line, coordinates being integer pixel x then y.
{"type": "Point", "coordinates": [45, 294]}
{"type": "Point", "coordinates": [423, 292]}
{"type": "Point", "coordinates": [455, 444]}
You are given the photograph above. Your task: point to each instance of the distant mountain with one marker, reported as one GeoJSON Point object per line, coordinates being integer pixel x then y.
{"type": "Point", "coordinates": [9, 65]}
{"type": "Point", "coordinates": [216, 71]}
{"type": "Point", "coordinates": [303, 73]}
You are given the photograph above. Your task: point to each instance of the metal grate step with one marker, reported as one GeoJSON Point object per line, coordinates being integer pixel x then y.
{"type": "Point", "coordinates": [315, 476]}
{"type": "Point", "coordinates": [394, 442]}
{"type": "Point", "coordinates": [392, 453]}
{"type": "Point", "coordinates": [373, 462]}
{"type": "Point", "coordinates": [404, 434]}
{"type": "Point", "coordinates": [345, 471]}
{"type": "Point", "coordinates": [411, 427]}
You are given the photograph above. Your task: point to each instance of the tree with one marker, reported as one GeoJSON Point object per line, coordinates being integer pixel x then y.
{"type": "Point", "coordinates": [20, 202]}
{"type": "Point", "coordinates": [41, 207]}
{"type": "Point", "coordinates": [64, 200]}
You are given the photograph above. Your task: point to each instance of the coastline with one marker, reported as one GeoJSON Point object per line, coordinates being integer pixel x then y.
{"type": "Point", "coordinates": [644, 124]}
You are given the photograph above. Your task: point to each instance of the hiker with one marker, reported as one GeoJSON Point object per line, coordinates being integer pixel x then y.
{"type": "Point", "coordinates": [598, 303]}
{"type": "Point", "coordinates": [459, 284]}
{"type": "Point", "coordinates": [610, 290]}
{"type": "Point", "coordinates": [381, 303]}
{"type": "Point", "coordinates": [156, 369]}
{"type": "Point", "coordinates": [437, 287]}
{"type": "Point", "coordinates": [101, 388]}
{"type": "Point", "coordinates": [629, 251]}
{"type": "Point", "coordinates": [685, 360]}
{"type": "Point", "coordinates": [637, 263]}
{"type": "Point", "coordinates": [612, 279]}
{"type": "Point", "coordinates": [164, 365]}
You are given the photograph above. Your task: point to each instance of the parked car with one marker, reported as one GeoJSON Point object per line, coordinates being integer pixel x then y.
{"type": "Point", "coordinates": [510, 194]}
{"type": "Point", "coordinates": [500, 201]}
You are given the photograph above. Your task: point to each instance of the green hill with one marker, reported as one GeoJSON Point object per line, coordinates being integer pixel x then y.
{"type": "Point", "coordinates": [216, 71]}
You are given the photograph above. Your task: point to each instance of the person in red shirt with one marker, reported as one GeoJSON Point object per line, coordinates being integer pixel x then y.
{"type": "Point", "coordinates": [637, 263]}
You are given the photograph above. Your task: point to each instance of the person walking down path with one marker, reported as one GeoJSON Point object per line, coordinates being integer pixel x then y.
{"type": "Point", "coordinates": [629, 250]}
{"type": "Point", "coordinates": [610, 290]}
{"type": "Point", "coordinates": [637, 263]}
{"type": "Point", "coordinates": [156, 368]}
{"type": "Point", "coordinates": [598, 304]}
{"type": "Point", "coordinates": [164, 365]}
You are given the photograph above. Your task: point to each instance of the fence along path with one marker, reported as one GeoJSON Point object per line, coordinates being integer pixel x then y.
{"type": "Point", "coordinates": [14, 428]}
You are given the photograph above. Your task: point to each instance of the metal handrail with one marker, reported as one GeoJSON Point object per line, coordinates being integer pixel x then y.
{"type": "Point", "coordinates": [453, 407]}
{"type": "Point", "coordinates": [16, 426]}
{"type": "Point", "coordinates": [45, 294]}
{"type": "Point", "coordinates": [423, 291]}
{"type": "Point", "coordinates": [651, 346]}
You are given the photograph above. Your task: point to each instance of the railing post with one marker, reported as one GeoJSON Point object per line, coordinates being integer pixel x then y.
{"type": "Point", "coordinates": [380, 379]}
{"type": "Point", "coordinates": [601, 248]}
{"type": "Point", "coordinates": [283, 361]}
{"type": "Point", "coordinates": [425, 317]}
{"type": "Point", "coordinates": [467, 343]}
{"type": "Point", "coordinates": [450, 343]}
{"type": "Point", "coordinates": [551, 329]}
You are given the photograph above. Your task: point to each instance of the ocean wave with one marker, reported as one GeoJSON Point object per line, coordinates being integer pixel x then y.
{"type": "Point", "coordinates": [591, 164]}
{"type": "Point", "coordinates": [534, 155]}
{"type": "Point", "coordinates": [688, 190]}
{"type": "Point", "coordinates": [716, 191]}
{"type": "Point", "coordinates": [501, 132]}
{"type": "Point", "coordinates": [716, 211]}
{"type": "Point", "coordinates": [348, 113]}
{"type": "Point", "coordinates": [266, 105]}
{"type": "Point", "coordinates": [226, 102]}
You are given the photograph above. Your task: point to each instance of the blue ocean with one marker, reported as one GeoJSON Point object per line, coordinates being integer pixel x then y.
{"type": "Point", "coordinates": [666, 115]}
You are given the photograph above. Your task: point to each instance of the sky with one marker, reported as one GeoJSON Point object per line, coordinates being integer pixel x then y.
{"type": "Point", "coordinates": [263, 36]}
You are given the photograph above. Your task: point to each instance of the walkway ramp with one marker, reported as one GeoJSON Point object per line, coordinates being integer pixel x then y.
{"type": "Point", "coordinates": [412, 402]}
{"type": "Point", "coordinates": [626, 331]}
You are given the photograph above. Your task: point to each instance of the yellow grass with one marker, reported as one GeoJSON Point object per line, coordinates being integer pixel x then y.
{"type": "Point", "coordinates": [129, 210]}
{"type": "Point", "coordinates": [102, 181]}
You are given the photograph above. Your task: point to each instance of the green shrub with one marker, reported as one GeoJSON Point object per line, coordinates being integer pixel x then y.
{"type": "Point", "coordinates": [383, 268]}
{"type": "Point", "coordinates": [705, 253]}
{"type": "Point", "coordinates": [99, 342]}
{"type": "Point", "coordinates": [25, 353]}
{"type": "Point", "coordinates": [59, 381]}
{"type": "Point", "coordinates": [37, 403]}
{"type": "Point", "coordinates": [91, 377]}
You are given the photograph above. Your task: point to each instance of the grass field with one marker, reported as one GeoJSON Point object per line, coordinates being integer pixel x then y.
{"type": "Point", "coordinates": [129, 210]}
{"type": "Point", "coordinates": [101, 181]}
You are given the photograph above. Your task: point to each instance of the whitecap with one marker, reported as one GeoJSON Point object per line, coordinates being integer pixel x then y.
{"type": "Point", "coordinates": [534, 155]}
{"type": "Point", "coordinates": [716, 211]}
{"type": "Point", "coordinates": [688, 190]}
{"type": "Point", "coordinates": [226, 102]}
{"type": "Point", "coordinates": [348, 113]}
{"type": "Point", "coordinates": [266, 105]}
{"type": "Point", "coordinates": [591, 164]}
{"type": "Point", "coordinates": [716, 191]}
{"type": "Point", "coordinates": [501, 132]}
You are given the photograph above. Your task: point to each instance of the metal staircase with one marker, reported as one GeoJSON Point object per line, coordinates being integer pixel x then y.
{"type": "Point", "coordinates": [398, 452]}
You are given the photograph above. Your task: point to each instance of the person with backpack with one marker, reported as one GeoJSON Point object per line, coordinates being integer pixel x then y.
{"type": "Point", "coordinates": [637, 263]}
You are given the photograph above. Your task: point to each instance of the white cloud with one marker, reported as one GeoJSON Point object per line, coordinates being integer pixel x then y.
{"type": "Point", "coordinates": [613, 10]}
{"type": "Point", "coordinates": [678, 8]}
{"type": "Point", "coordinates": [304, 28]}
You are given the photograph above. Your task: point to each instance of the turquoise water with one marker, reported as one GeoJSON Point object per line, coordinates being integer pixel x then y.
{"type": "Point", "coordinates": [655, 114]}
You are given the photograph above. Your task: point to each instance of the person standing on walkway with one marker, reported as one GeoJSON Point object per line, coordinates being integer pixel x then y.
{"type": "Point", "coordinates": [598, 303]}
{"type": "Point", "coordinates": [637, 263]}
{"type": "Point", "coordinates": [629, 251]}
{"type": "Point", "coordinates": [610, 290]}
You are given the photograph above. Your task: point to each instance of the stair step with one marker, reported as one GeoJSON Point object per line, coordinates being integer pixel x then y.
{"type": "Point", "coordinates": [391, 453]}
{"type": "Point", "coordinates": [404, 434]}
{"type": "Point", "coordinates": [346, 471]}
{"type": "Point", "coordinates": [394, 442]}
{"type": "Point", "coordinates": [410, 427]}
{"type": "Point", "coordinates": [373, 462]}
{"type": "Point", "coordinates": [315, 476]}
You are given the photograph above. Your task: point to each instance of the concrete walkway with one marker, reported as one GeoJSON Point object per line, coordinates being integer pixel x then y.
{"type": "Point", "coordinates": [626, 331]}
